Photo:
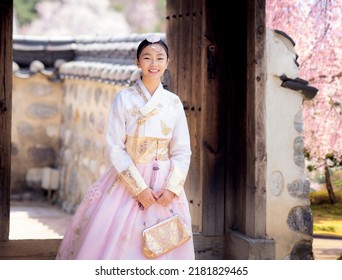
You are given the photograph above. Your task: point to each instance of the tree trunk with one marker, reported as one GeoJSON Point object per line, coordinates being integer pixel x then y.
{"type": "Point", "coordinates": [328, 185]}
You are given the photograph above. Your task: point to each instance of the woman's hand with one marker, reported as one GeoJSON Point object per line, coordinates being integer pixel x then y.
{"type": "Point", "coordinates": [165, 197]}
{"type": "Point", "coordinates": [147, 197]}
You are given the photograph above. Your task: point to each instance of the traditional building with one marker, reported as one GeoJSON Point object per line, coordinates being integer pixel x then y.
{"type": "Point", "coordinates": [242, 96]}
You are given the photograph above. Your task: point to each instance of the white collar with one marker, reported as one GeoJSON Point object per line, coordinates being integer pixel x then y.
{"type": "Point", "coordinates": [152, 100]}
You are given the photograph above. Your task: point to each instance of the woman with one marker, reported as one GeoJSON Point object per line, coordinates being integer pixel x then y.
{"type": "Point", "coordinates": [149, 147]}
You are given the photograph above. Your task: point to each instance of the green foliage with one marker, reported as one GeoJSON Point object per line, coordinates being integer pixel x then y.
{"type": "Point", "coordinates": [327, 209]}
{"type": "Point", "coordinates": [322, 197]}
{"type": "Point", "coordinates": [25, 10]}
{"type": "Point", "coordinates": [327, 218]}
{"type": "Point", "coordinates": [336, 178]}
{"type": "Point", "coordinates": [338, 184]}
{"type": "Point", "coordinates": [161, 6]}
{"type": "Point", "coordinates": [118, 5]}
{"type": "Point", "coordinates": [330, 229]}
{"type": "Point", "coordinates": [310, 167]}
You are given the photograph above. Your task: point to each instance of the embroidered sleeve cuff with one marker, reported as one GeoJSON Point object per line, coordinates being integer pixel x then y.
{"type": "Point", "coordinates": [175, 181]}
{"type": "Point", "coordinates": [133, 180]}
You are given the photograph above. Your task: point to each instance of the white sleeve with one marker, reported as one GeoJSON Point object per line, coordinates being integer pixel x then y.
{"type": "Point", "coordinates": [116, 138]}
{"type": "Point", "coordinates": [180, 154]}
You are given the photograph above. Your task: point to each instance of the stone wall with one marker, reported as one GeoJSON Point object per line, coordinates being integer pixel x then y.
{"type": "Point", "coordinates": [36, 122]}
{"type": "Point", "coordinates": [88, 91]}
{"type": "Point", "coordinates": [289, 219]}
{"type": "Point", "coordinates": [59, 125]}
{"type": "Point", "coordinates": [83, 153]}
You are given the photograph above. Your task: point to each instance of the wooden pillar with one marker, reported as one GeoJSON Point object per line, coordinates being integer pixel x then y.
{"type": "Point", "coordinates": [213, 137]}
{"type": "Point", "coordinates": [256, 134]}
{"type": "Point", "coordinates": [6, 31]}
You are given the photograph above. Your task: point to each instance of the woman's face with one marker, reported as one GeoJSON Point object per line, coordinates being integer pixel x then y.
{"type": "Point", "coordinates": [153, 61]}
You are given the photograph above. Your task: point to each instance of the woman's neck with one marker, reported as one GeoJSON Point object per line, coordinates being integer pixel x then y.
{"type": "Point", "coordinates": [150, 85]}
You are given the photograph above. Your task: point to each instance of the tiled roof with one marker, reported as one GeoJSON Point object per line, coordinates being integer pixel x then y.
{"type": "Point", "coordinates": [100, 71]}
{"type": "Point", "coordinates": [104, 58]}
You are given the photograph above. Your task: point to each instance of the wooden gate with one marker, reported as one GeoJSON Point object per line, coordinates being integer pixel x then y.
{"type": "Point", "coordinates": [216, 67]}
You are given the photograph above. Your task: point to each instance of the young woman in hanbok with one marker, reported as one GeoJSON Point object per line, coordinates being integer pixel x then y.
{"type": "Point", "coordinates": [149, 148]}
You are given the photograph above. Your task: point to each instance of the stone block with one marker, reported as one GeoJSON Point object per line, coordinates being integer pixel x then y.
{"type": "Point", "coordinates": [50, 178]}
{"type": "Point", "coordinates": [34, 177]}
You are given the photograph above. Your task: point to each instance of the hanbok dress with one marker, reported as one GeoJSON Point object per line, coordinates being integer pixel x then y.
{"type": "Point", "coordinates": [143, 131]}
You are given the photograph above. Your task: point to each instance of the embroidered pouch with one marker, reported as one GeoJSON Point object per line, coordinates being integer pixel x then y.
{"type": "Point", "coordinates": [165, 236]}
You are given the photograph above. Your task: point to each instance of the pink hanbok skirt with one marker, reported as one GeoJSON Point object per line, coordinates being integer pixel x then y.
{"type": "Point", "coordinates": [108, 223]}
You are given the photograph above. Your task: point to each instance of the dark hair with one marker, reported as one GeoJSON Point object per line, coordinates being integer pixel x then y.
{"type": "Point", "coordinates": [146, 43]}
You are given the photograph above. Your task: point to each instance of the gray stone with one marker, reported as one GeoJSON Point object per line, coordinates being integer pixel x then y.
{"type": "Point", "coordinates": [25, 129]}
{"type": "Point", "coordinates": [298, 147]}
{"type": "Point", "coordinates": [101, 123]}
{"type": "Point", "coordinates": [302, 250]}
{"type": "Point", "coordinates": [300, 219]}
{"type": "Point", "coordinates": [42, 111]}
{"type": "Point", "coordinates": [68, 208]}
{"type": "Point", "coordinates": [37, 89]}
{"type": "Point", "coordinates": [93, 166]}
{"type": "Point", "coordinates": [50, 178]}
{"type": "Point", "coordinates": [105, 99]}
{"type": "Point", "coordinates": [98, 94]}
{"type": "Point", "coordinates": [299, 159]}
{"type": "Point", "coordinates": [298, 122]}
{"type": "Point", "coordinates": [34, 177]}
{"type": "Point", "coordinates": [69, 113]}
{"type": "Point", "coordinates": [67, 135]}
{"type": "Point", "coordinates": [299, 188]}
{"type": "Point", "coordinates": [41, 154]}
{"type": "Point", "coordinates": [73, 182]}
{"type": "Point", "coordinates": [74, 91]}
{"type": "Point", "coordinates": [88, 143]}
{"type": "Point", "coordinates": [298, 144]}
{"type": "Point", "coordinates": [88, 95]}
{"type": "Point", "coordinates": [277, 183]}
{"type": "Point", "coordinates": [91, 121]}
{"type": "Point", "coordinates": [84, 120]}
{"type": "Point", "coordinates": [67, 156]}
{"type": "Point", "coordinates": [52, 130]}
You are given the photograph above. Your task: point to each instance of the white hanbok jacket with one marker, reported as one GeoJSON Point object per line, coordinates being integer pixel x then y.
{"type": "Point", "coordinates": [143, 129]}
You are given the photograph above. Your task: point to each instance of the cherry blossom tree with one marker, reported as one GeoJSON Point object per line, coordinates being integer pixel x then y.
{"type": "Point", "coordinates": [315, 26]}
{"type": "Point", "coordinates": [75, 17]}
{"type": "Point", "coordinates": [84, 17]}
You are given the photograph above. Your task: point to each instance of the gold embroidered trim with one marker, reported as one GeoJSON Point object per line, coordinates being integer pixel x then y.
{"type": "Point", "coordinates": [140, 92]}
{"type": "Point", "coordinates": [115, 184]}
{"type": "Point", "coordinates": [144, 149]}
{"type": "Point", "coordinates": [175, 180]}
{"type": "Point", "coordinates": [134, 182]}
{"type": "Point", "coordinates": [141, 120]}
